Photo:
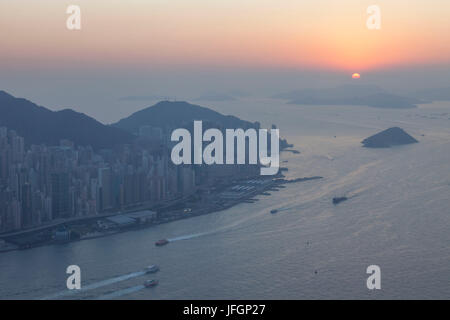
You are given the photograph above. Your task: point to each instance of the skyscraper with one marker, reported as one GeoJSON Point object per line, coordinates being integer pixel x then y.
{"type": "Point", "coordinates": [60, 195]}
{"type": "Point", "coordinates": [105, 188]}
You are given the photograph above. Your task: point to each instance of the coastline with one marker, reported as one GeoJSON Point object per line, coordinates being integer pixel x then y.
{"type": "Point", "coordinates": [164, 215]}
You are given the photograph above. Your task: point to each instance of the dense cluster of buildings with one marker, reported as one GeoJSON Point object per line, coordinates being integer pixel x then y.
{"type": "Point", "coordinates": [42, 183]}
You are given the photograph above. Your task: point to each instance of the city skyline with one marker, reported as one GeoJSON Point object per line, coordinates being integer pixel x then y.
{"type": "Point", "coordinates": [45, 179]}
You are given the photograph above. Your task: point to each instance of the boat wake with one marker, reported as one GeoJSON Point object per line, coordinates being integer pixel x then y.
{"type": "Point", "coordinates": [120, 293]}
{"type": "Point", "coordinates": [187, 237]}
{"type": "Point", "coordinates": [95, 285]}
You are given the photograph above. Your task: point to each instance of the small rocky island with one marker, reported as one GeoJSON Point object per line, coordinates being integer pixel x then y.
{"type": "Point", "coordinates": [391, 137]}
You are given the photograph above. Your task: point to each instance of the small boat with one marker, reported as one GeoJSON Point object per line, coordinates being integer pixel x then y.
{"type": "Point", "coordinates": [161, 242]}
{"type": "Point", "coordinates": [337, 200]}
{"type": "Point", "coordinates": [152, 269]}
{"type": "Point", "coordinates": [273, 211]}
{"type": "Point", "coordinates": [151, 283]}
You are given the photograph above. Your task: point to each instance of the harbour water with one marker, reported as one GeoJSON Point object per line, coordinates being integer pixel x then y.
{"type": "Point", "coordinates": [397, 217]}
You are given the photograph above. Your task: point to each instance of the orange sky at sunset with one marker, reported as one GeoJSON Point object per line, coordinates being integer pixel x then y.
{"type": "Point", "coordinates": [322, 34]}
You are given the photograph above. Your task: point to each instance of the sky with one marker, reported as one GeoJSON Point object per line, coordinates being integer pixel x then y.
{"type": "Point", "coordinates": [186, 48]}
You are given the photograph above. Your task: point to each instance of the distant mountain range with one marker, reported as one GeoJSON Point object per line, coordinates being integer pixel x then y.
{"type": "Point", "coordinates": [177, 114]}
{"type": "Point", "coordinates": [371, 96]}
{"type": "Point", "coordinates": [40, 125]}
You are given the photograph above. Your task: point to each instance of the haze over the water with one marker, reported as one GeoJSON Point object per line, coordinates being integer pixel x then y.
{"type": "Point", "coordinates": [147, 50]}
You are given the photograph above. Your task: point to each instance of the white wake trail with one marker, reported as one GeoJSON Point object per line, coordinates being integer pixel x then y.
{"type": "Point", "coordinates": [95, 285]}
{"type": "Point", "coordinates": [120, 293]}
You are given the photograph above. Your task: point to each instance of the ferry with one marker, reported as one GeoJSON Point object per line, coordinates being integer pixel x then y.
{"type": "Point", "coordinates": [151, 283]}
{"type": "Point", "coordinates": [161, 242]}
{"type": "Point", "coordinates": [152, 269]}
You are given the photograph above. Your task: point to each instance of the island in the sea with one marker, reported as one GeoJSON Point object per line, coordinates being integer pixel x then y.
{"type": "Point", "coordinates": [390, 137]}
{"type": "Point", "coordinates": [354, 95]}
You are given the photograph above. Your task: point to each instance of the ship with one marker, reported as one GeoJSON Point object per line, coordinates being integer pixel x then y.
{"type": "Point", "coordinates": [151, 283]}
{"type": "Point", "coordinates": [161, 242]}
{"type": "Point", "coordinates": [152, 269]}
{"type": "Point", "coordinates": [273, 211]}
{"type": "Point", "coordinates": [337, 200]}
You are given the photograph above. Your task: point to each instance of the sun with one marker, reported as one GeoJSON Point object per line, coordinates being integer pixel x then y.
{"type": "Point", "coordinates": [356, 76]}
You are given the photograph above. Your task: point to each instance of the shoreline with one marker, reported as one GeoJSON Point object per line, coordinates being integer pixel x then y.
{"type": "Point", "coordinates": [218, 204]}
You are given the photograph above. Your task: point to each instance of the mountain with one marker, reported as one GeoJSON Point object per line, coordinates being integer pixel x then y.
{"type": "Point", "coordinates": [391, 137]}
{"type": "Point", "coordinates": [371, 96]}
{"type": "Point", "coordinates": [177, 114]}
{"type": "Point", "coordinates": [39, 125]}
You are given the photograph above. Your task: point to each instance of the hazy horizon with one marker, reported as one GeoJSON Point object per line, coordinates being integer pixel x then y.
{"type": "Point", "coordinates": [186, 50]}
